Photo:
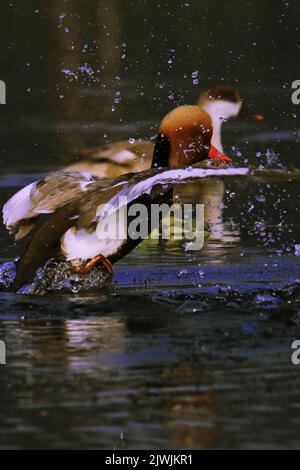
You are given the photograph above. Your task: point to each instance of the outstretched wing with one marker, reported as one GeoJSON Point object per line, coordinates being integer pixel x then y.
{"type": "Point", "coordinates": [266, 175]}
{"type": "Point", "coordinates": [161, 180]}
{"type": "Point", "coordinates": [44, 245]}
{"type": "Point", "coordinates": [42, 197]}
{"type": "Point", "coordinates": [73, 201]}
{"type": "Point", "coordinates": [81, 211]}
{"type": "Point", "coordinates": [46, 242]}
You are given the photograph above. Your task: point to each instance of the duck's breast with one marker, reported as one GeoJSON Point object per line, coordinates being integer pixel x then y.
{"type": "Point", "coordinates": [82, 244]}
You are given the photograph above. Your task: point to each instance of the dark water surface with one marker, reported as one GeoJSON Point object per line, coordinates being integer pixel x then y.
{"type": "Point", "coordinates": [185, 349]}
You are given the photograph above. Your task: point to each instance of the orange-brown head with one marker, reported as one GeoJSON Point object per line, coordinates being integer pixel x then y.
{"type": "Point", "coordinates": [184, 137]}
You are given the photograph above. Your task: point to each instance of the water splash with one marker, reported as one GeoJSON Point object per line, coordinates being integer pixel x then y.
{"type": "Point", "coordinates": [57, 276]}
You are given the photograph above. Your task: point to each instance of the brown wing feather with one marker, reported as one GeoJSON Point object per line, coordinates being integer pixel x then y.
{"type": "Point", "coordinates": [139, 147]}
{"type": "Point", "coordinates": [56, 189]}
{"type": "Point", "coordinates": [104, 161]}
{"type": "Point", "coordinates": [44, 245]}
{"type": "Point", "coordinates": [46, 241]}
{"type": "Point", "coordinates": [46, 195]}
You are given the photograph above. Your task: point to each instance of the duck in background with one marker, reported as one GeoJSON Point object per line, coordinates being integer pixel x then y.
{"type": "Point", "coordinates": [71, 199]}
{"type": "Point", "coordinates": [221, 102]}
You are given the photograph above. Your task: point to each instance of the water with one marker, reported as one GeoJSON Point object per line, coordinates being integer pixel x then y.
{"type": "Point", "coordinates": [184, 350]}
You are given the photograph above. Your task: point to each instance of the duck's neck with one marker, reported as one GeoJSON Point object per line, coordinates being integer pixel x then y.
{"type": "Point", "coordinates": [216, 110]}
{"type": "Point", "coordinates": [161, 152]}
{"type": "Point", "coordinates": [220, 111]}
{"type": "Point", "coordinates": [216, 139]}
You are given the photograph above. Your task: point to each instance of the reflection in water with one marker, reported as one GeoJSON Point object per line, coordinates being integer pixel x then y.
{"type": "Point", "coordinates": [104, 334]}
{"type": "Point", "coordinates": [98, 362]}
{"type": "Point", "coordinates": [219, 235]}
{"type": "Point", "coordinates": [100, 381]}
{"type": "Point", "coordinates": [82, 60]}
{"type": "Point", "coordinates": [211, 195]}
{"type": "Point", "coordinates": [192, 414]}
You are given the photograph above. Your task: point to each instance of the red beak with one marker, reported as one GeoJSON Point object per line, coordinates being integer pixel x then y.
{"type": "Point", "coordinates": [215, 154]}
{"type": "Point", "coordinates": [252, 117]}
{"type": "Point", "coordinates": [258, 117]}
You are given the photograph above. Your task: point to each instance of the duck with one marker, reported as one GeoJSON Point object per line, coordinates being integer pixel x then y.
{"type": "Point", "coordinates": [222, 102]}
{"type": "Point", "coordinates": [69, 200]}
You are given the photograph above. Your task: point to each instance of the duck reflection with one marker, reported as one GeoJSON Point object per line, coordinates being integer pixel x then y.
{"type": "Point", "coordinates": [87, 70]}
{"type": "Point", "coordinates": [129, 373]}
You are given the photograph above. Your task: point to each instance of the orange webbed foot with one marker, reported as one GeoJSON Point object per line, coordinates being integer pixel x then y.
{"type": "Point", "coordinates": [99, 259]}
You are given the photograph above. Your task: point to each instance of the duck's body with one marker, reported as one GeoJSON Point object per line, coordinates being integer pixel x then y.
{"type": "Point", "coordinates": [72, 227]}
{"type": "Point", "coordinates": [74, 218]}
{"type": "Point", "coordinates": [183, 139]}
{"type": "Point", "coordinates": [116, 159]}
